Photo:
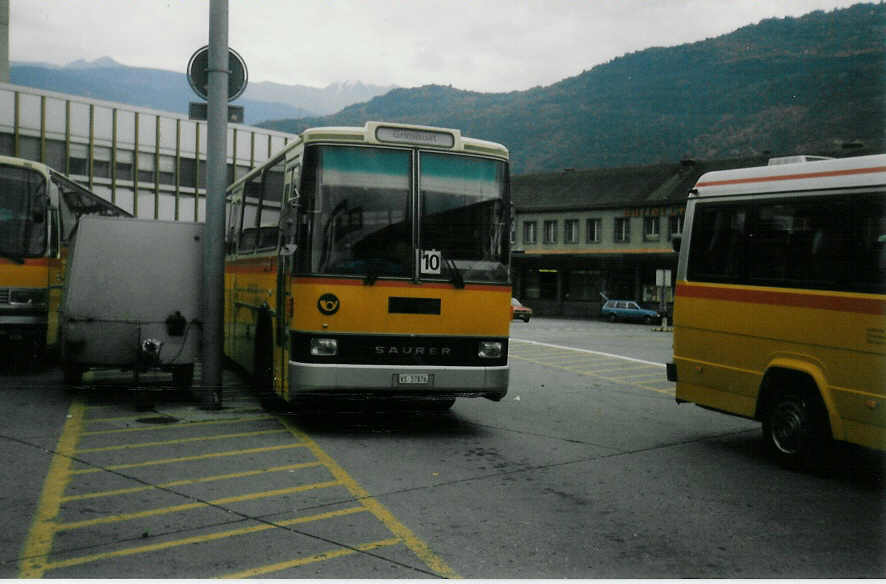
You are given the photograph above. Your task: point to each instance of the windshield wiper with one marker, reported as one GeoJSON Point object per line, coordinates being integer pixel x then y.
{"type": "Point", "coordinates": [457, 279]}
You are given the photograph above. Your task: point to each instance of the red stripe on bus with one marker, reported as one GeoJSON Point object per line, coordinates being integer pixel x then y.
{"type": "Point", "coordinates": [28, 262]}
{"type": "Point", "coordinates": [779, 298]}
{"type": "Point", "coordinates": [737, 181]}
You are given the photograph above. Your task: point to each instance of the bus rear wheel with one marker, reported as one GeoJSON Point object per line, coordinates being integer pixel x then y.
{"type": "Point", "coordinates": [795, 429]}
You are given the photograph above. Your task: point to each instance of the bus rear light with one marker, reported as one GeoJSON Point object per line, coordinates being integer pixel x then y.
{"type": "Point", "coordinates": [324, 347]}
{"type": "Point", "coordinates": [489, 350]}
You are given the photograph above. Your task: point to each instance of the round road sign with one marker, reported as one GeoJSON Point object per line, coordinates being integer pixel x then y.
{"type": "Point", "coordinates": [198, 74]}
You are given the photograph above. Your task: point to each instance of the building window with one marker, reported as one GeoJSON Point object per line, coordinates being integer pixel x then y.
{"type": "Point", "coordinates": [622, 229]}
{"type": "Point", "coordinates": [529, 232]}
{"type": "Point", "coordinates": [550, 232]}
{"type": "Point", "coordinates": [675, 225]}
{"type": "Point", "coordinates": [593, 230]}
{"type": "Point", "coordinates": [650, 229]}
{"type": "Point", "coordinates": [570, 234]}
{"type": "Point", "coordinates": [101, 162]}
{"type": "Point", "coordinates": [123, 164]}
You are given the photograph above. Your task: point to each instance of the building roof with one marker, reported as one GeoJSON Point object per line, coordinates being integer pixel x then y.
{"type": "Point", "coordinates": [635, 186]}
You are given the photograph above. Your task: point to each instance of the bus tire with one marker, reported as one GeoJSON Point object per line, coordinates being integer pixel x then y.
{"type": "Point", "coordinates": [263, 358]}
{"type": "Point", "coordinates": [795, 428]}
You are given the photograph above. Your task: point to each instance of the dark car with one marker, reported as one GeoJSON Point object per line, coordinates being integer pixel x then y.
{"type": "Point", "coordinates": [524, 313]}
{"type": "Point", "coordinates": [628, 310]}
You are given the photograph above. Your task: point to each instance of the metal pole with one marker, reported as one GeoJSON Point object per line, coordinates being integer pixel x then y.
{"type": "Point", "coordinates": [214, 229]}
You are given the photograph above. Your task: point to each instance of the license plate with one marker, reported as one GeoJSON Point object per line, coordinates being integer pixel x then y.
{"type": "Point", "coordinates": [413, 379]}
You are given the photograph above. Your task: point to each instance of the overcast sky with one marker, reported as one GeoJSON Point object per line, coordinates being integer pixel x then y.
{"type": "Point", "coordinates": [481, 45]}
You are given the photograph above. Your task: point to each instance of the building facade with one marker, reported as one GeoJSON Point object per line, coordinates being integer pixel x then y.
{"type": "Point", "coordinates": [150, 163]}
{"type": "Point", "coordinates": [579, 237]}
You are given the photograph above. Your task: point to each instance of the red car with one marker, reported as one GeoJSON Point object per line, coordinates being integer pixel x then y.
{"type": "Point", "coordinates": [524, 313]}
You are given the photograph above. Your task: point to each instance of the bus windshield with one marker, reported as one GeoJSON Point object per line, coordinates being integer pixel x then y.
{"type": "Point", "coordinates": [22, 212]}
{"type": "Point", "coordinates": [359, 206]}
{"type": "Point", "coordinates": [462, 214]}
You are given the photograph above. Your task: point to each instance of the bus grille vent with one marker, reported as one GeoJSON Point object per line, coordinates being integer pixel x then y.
{"type": "Point", "coordinates": [4, 295]}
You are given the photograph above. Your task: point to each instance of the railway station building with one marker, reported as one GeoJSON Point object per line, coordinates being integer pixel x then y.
{"type": "Point", "coordinates": [580, 236]}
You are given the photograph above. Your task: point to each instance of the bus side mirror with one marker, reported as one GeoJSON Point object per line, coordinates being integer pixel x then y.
{"type": "Point", "coordinates": [675, 241]}
{"type": "Point", "coordinates": [289, 226]}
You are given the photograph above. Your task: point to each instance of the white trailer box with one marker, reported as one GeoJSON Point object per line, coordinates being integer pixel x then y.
{"type": "Point", "coordinates": [132, 297]}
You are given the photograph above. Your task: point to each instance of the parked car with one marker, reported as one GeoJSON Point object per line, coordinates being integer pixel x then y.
{"type": "Point", "coordinates": [524, 313]}
{"type": "Point", "coordinates": [628, 310]}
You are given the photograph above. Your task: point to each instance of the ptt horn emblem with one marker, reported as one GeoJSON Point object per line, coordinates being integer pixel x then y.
{"type": "Point", "coordinates": [328, 304]}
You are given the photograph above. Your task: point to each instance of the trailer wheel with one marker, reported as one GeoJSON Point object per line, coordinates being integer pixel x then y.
{"type": "Point", "coordinates": [73, 374]}
{"type": "Point", "coordinates": [183, 376]}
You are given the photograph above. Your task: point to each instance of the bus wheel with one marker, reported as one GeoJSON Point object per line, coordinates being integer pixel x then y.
{"type": "Point", "coordinates": [73, 374]}
{"type": "Point", "coordinates": [263, 359]}
{"type": "Point", "coordinates": [440, 404]}
{"type": "Point", "coordinates": [795, 429]}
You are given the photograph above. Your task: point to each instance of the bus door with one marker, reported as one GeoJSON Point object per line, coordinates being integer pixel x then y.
{"type": "Point", "coordinates": [288, 234]}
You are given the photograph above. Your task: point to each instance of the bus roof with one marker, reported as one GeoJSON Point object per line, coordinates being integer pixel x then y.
{"type": "Point", "coordinates": [24, 162]}
{"type": "Point", "coordinates": [859, 171]}
{"type": "Point", "coordinates": [406, 135]}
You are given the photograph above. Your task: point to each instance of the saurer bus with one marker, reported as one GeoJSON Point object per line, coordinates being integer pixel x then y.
{"type": "Point", "coordinates": [780, 311]}
{"type": "Point", "coordinates": [372, 261]}
{"type": "Point", "coordinates": [39, 209]}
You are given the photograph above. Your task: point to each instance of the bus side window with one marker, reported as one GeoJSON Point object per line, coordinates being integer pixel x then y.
{"type": "Point", "coordinates": [717, 251]}
{"type": "Point", "coordinates": [870, 256]}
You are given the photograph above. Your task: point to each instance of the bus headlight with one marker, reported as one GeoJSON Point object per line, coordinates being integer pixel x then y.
{"type": "Point", "coordinates": [33, 296]}
{"type": "Point", "coordinates": [489, 350]}
{"type": "Point", "coordinates": [324, 347]}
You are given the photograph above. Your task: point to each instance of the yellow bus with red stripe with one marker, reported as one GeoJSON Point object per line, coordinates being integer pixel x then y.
{"type": "Point", "coordinates": [372, 261]}
{"type": "Point", "coordinates": [39, 209]}
{"type": "Point", "coordinates": [780, 309]}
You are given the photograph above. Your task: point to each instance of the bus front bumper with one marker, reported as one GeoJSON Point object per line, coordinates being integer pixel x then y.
{"type": "Point", "coordinates": [311, 379]}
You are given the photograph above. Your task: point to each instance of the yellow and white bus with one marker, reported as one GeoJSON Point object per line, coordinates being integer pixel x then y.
{"type": "Point", "coordinates": [780, 311]}
{"type": "Point", "coordinates": [39, 209]}
{"type": "Point", "coordinates": [372, 261]}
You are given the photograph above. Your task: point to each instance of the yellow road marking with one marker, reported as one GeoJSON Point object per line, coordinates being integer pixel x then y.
{"type": "Point", "coordinates": [190, 506]}
{"type": "Point", "coordinates": [179, 441]}
{"type": "Point", "coordinates": [589, 373]}
{"type": "Point", "coordinates": [39, 541]}
{"type": "Point", "coordinates": [154, 428]}
{"type": "Point", "coordinates": [202, 538]}
{"type": "Point", "coordinates": [233, 475]}
{"type": "Point", "coordinates": [161, 461]}
{"type": "Point", "coordinates": [418, 547]}
{"type": "Point", "coordinates": [322, 557]}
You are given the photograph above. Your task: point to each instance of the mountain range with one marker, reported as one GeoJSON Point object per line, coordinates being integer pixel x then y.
{"type": "Point", "coordinates": [815, 84]}
{"type": "Point", "coordinates": [106, 79]}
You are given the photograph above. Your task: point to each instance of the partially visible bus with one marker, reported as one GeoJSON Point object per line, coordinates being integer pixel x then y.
{"type": "Point", "coordinates": [372, 261]}
{"type": "Point", "coordinates": [39, 209]}
{"type": "Point", "coordinates": [780, 311]}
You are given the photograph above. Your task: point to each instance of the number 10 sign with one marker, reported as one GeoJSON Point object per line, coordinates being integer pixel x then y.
{"type": "Point", "coordinates": [430, 261]}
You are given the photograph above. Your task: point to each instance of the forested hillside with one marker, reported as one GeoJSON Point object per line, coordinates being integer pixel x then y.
{"type": "Point", "coordinates": [795, 85]}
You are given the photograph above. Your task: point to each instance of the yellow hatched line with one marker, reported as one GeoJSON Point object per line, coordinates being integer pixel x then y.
{"type": "Point", "coordinates": [40, 536]}
{"type": "Point", "coordinates": [193, 458]}
{"type": "Point", "coordinates": [190, 506]}
{"type": "Point", "coordinates": [590, 373]}
{"type": "Point", "coordinates": [179, 441]}
{"type": "Point", "coordinates": [322, 557]}
{"type": "Point", "coordinates": [173, 426]}
{"type": "Point", "coordinates": [624, 368]}
{"type": "Point", "coordinates": [201, 538]}
{"type": "Point", "coordinates": [403, 533]}
{"type": "Point", "coordinates": [179, 483]}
